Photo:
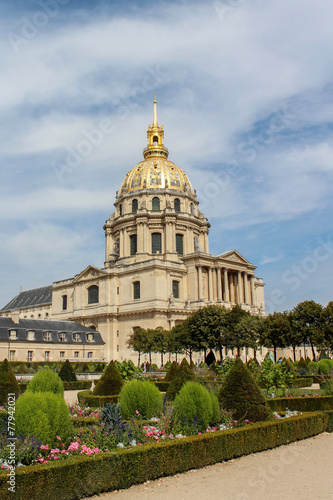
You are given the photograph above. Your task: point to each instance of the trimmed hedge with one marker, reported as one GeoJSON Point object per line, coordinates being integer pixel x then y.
{"type": "Point", "coordinates": [79, 385]}
{"type": "Point", "coordinates": [161, 385]}
{"type": "Point", "coordinates": [84, 421]}
{"type": "Point", "coordinates": [311, 403]}
{"type": "Point", "coordinates": [87, 398]}
{"type": "Point", "coordinates": [82, 476]}
{"type": "Point", "coordinates": [301, 382]}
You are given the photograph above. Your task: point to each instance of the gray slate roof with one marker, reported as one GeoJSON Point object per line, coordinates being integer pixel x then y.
{"type": "Point", "coordinates": [39, 326]}
{"type": "Point", "coordinates": [35, 297]}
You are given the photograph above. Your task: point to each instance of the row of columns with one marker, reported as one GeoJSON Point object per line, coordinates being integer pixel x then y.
{"type": "Point", "coordinates": [242, 293]}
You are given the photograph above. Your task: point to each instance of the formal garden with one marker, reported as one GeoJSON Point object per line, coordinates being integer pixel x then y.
{"type": "Point", "coordinates": [137, 424]}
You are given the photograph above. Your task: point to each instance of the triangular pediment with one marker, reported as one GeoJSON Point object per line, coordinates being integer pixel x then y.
{"type": "Point", "coordinates": [234, 256]}
{"type": "Point", "coordinates": [90, 273]}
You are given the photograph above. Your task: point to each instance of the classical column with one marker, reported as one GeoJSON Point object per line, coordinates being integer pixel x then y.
{"type": "Point", "coordinates": [139, 232]}
{"type": "Point", "coordinates": [219, 283]}
{"type": "Point", "coordinates": [168, 237]}
{"type": "Point", "coordinates": [145, 238]}
{"type": "Point", "coordinates": [173, 237]}
{"type": "Point", "coordinates": [199, 283]}
{"type": "Point", "coordinates": [253, 298]}
{"type": "Point", "coordinates": [246, 288]}
{"type": "Point", "coordinates": [126, 243]}
{"type": "Point", "coordinates": [210, 284]}
{"type": "Point", "coordinates": [226, 285]}
{"type": "Point", "coordinates": [239, 288]}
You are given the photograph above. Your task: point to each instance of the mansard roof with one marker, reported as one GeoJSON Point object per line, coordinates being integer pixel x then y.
{"type": "Point", "coordinates": [34, 297]}
{"type": "Point", "coordinates": [40, 326]}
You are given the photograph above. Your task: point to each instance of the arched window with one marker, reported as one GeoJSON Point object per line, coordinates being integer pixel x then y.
{"type": "Point", "coordinates": [134, 206]}
{"type": "Point", "coordinates": [192, 209]}
{"type": "Point", "coordinates": [93, 294]}
{"type": "Point", "coordinates": [155, 203]}
{"type": "Point", "coordinates": [156, 243]}
{"type": "Point", "coordinates": [155, 139]}
{"type": "Point", "coordinates": [133, 244]}
{"type": "Point", "coordinates": [64, 302]}
{"type": "Point", "coordinates": [176, 205]}
{"type": "Point", "coordinates": [120, 210]}
{"type": "Point", "coordinates": [179, 244]}
{"type": "Point", "coordinates": [136, 290]}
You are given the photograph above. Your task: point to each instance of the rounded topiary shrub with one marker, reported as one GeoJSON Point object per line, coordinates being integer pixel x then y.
{"type": "Point", "coordinates": [110, 383]}
{"type": "Point", "coordinates": [324, 367]}
{"type": "Point", "coordinates": [8, 382]}
{"type": "Point", "coordinates": [184, 374]}
{"type": "Point", "coordinates": [172, 370]}
{"type": "Point", "coordinates": [44, 415]}
{"type": "Point", "coordinates": [140, 396]}
{"type": "Point", "coordinates": [313, 367]}
{"type": "Point", "coordinates": [67, 373]}
{"type": "Point", "coordinates": [193, 407]}
{"type": "Point", "coordinates": [241, 395]}
{"type": "Point", "coordinates": [46, 380]}
{"type": "Point", "coordinates": [215, 408]}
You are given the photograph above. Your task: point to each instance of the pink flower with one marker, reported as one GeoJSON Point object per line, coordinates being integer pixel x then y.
{"type": "Point", "coordinates": [137, 412]}
{"type": "Point", "coordinates": [44, 447]}
{"type": "Point", "coordinates": [56, 450]}
{"type": "Point", "coordinates": [59, 439]}
{"type": "Point", "coordinates": [199, 433]}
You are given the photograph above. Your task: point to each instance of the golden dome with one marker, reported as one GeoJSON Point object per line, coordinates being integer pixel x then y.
{"type": "Point", "coordinates": [156, 173]}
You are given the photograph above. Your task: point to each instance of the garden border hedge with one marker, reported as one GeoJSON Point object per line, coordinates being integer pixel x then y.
{"type": "Point", "coordinates": [307, 403]}
{"type": "Point", "coordinates": [82, 476]}
{"type": "Point", "coordinates": [87, 398]}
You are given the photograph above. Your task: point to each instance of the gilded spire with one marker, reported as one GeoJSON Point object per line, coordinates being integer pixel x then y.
{"type": "Point", "coordinates": [155, 135]}
{"type": "Point", "coordinates": [155, 122]}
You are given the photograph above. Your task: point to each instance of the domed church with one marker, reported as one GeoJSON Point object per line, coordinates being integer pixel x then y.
{"type": "Point", "coordinates": [157, 269]}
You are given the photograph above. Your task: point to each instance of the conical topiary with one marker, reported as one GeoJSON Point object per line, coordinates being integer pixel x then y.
{"type": "Point", "coordinates": [110, 382]}
{"type": "Point", "coordinates": [302, 364]}
{"type": "Point", "coordinates": [241, 395]}
{"type": "Point", "coordinates": [172, 370]}
{"type": "Point", "coordinates": [210, 358]}
{"type": "Point", "coordinates": [184, 374]}
{"type": "Point", "coordinates": [67, 373]}
{"type": "Point", "coordinates": [8, 382]}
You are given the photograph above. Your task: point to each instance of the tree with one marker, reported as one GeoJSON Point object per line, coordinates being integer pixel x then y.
{"type": "Point", "coordinates": [308, 316]}
{"type": "Point", "coordinates": [233, 335]}
{"type": "Point", "coordinates": [159, 341]}
{"type": "Point", "coordinates": [327, 324]}
{"type": "Point", "coordinates": [276, 331]}
{"type": "Point", "coordinates": [137, 341]}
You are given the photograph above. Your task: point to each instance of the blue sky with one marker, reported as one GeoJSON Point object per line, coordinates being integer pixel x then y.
{"type": "Point", "coordinates": [245, 96]}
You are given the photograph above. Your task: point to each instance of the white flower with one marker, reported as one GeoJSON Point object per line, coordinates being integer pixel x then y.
{"type": "Point", "coordinates": [120, 445]}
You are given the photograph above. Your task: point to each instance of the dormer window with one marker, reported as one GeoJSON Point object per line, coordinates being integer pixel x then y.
{"type": "Point", "coordinates": [30, 335]}
{"type": "Point", "coordinates": [47, 336]}
{"type": "Point", "coordinates": [76, 337]}
{"type": "Point", "coordinates": [13, 334]}
{"type": "Point", "coordinates": [62, 337]}
{"type": "Point", "coordinates": [90, 337]}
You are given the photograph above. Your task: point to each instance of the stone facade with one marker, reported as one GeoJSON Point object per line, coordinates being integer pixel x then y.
{"type": "Point", "coordinates": [157, 267]}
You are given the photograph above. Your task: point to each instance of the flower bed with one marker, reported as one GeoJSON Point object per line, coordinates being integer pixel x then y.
{"type": "Point", "coordinates": [79, 476]}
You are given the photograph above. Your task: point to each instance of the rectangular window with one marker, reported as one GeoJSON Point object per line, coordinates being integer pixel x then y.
{"type": "Point", "coordinates": [90, 354]}
{"type": "Point", "coordinates": [156, 243]}
{"type": "Point", "coordinates": [117, 348]}
{"type": "Point", "coordinates": [175, 289]}
{"type": "Point", "coordinates": [76, 337]}
{"type": "Point", "coordinates": [47, 355]}
{"type": "Point", "coordinates": [64, 302]}
{"type": "Point", "coordinates": [76, 354]}
{"type": "Point", "coordinates": [30, 335]}
{"type": "Point", "coordinates": [62, 354]}
{"type": "Point", "coordinates": [179, 244]}
{"type": "Point", "coordinates": [29, 356]}
{"type": "Point", "coordinates": [47, 336]}
{"type": "Point", "coordinates": [12, 355]}
{"type": "Point", "coordinates": [136, 289]}
{"type": "Point", "coordinates": [13, 334]}
{"type": "Point", "coordinates": [62, 337]}
{"type": "Point", "coordinates": [117, 290]}
{"type": "Point", "coordinates": [133, 244]}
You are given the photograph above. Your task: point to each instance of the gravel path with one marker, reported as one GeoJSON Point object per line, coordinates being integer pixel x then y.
{"type": "Point", "coordinates": [298, 471]}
